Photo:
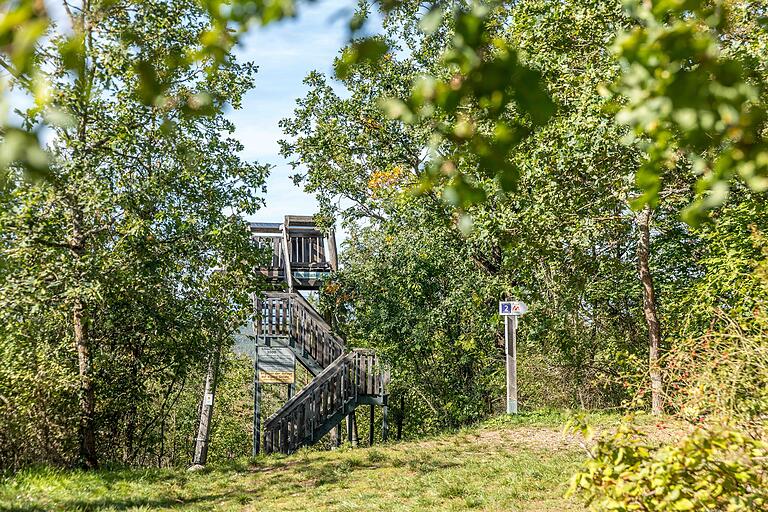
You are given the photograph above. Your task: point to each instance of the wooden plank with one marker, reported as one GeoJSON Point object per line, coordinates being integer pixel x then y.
{"type": "Point", "coordinates": [300, 423]}
{"type": "Point", "coordinates": [384, 422]}
{"type": "Point", "coordinates": [332, 256]}
{"type": "Point", "coordinates": [363, 374]}
{"type": "Point", "coordinates": [284, 317]}
{"type": "Point", "coordinates": [312, 250]}
{"type": "Point", "coordinates": [320, 250]}
{"type": "Point", "coordinates": [271, 317]}
{"type": "Point", "coordinates": [371, 375]}
{"type": "Point", "coordinates": [277, 318]}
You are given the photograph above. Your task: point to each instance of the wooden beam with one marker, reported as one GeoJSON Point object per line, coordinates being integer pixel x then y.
{"type": "Point", "coordinates": [384, 422]}
{"type": "Point", "coordinates": [287, 260]}
{"type": "Point", "coordinates": [371, 427]}
{"type": "Point", "coordinates": [332, 256]}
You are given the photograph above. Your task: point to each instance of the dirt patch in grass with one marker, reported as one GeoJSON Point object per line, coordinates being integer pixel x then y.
{"type": "Point", "coordinates": [543, 439]}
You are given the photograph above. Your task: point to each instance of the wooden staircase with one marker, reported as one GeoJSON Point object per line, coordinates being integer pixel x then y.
{"type": "Point", "coordinates": [343, 379]}
{"type": "Point", "coordinates": [302, 257]}
{"type": "Point", "coordinates": [351, 380]}
{"type": "Point", "coordinates": [287, 319]}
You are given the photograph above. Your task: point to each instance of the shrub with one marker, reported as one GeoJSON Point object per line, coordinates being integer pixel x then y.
{"type": "Point", "coordinates": [723, 373]}
{"type": "Point", "coordinates": [712, 469]}
{"type": "Point", "coordinates": [717, 363]}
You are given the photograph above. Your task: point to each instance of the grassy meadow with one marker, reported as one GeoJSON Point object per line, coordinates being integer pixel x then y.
{"type": "Point", "coordinates": [517, 463]}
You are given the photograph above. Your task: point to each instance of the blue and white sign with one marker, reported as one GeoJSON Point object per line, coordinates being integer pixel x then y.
{"type": "Point", "coordinates": [512, 308]}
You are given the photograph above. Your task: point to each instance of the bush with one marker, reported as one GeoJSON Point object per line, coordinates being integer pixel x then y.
{"type": "Point", "coordinates": [713, 469]}
{"type": "Point", "coordinates": [717, 363]}
{"type": "Point", "coordinates": [722, 374]}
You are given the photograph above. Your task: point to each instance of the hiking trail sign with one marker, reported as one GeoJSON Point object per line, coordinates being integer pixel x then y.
{"type": "Point", "coordinates": [513, 308]}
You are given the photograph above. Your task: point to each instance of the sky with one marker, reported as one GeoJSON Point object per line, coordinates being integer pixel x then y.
{"type": "Point", "coordinates": [285, 53]}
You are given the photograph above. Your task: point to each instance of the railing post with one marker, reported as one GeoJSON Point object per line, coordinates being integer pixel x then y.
{"type": "Point", "coordinates": [384, 422]}
{"type": "Point", "coordinates": [372, 425]}
{"type": "Point", "coordinates": [283, 435]}
{"type": "Point", "coordinates": [350, 421]}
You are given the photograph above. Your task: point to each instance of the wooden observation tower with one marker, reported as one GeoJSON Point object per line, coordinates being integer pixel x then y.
{"type": "Point", "coordinates": [287, 329]}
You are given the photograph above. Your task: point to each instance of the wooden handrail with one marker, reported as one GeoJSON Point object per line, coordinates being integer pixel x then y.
{"type": "Point", "coordinates": [304, 303]}
{"type": "Point", "coordinates": [325, 376]}
{"type": "Point", "coordinates": [291, 315]}
{"type": "Point", "coordinates": [324, 400]}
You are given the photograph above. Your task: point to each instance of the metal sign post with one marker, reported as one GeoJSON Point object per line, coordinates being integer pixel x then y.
{"type": "Point", "coordinates": [511, 310]}
{"type": "Point", "coordinates": [256, 405]}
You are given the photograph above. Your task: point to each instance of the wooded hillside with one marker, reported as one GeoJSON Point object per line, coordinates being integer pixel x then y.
{"type": "Point", "coordinates": [603, 161]}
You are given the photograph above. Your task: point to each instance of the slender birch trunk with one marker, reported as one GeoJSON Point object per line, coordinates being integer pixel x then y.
{"type": "Point", "coordinates": [649, 307]}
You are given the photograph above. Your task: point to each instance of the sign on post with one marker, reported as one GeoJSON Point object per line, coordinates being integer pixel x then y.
{"type": "Point", "coordinates": [511, 310]}
{"type": "Point", "coordinates": [277, 365]}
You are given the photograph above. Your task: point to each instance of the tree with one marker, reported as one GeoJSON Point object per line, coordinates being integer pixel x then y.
{"type": "Point", "coordinates": [485, 105]}
{"type": "Point", "coordinates": [120, 240]}
{"type": "Point", "coordinates": [566, 240]}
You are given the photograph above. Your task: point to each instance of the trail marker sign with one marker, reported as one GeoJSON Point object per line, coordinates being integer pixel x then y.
{"type": "Point", "coordinates": [512, 308]}
{"type": "Point", "coordinates": [276, 365]}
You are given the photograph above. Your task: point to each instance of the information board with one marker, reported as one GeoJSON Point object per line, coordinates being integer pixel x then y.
{"type": "Point", "coordinates": [277, 365]}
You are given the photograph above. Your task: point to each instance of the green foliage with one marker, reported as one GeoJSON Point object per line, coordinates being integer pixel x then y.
{"type": "Point", "coordinates": [26, 26]}
{"type": "Point", "coordinates": [707, 469]}
{"type": "Point", "coordinates": [687, 93]}
{"type": "Point", "coordinates": [415, 296]}
{"type": "Point", "coordinates": [125, 234]}
{"type": "Point", "coordinates": [361, 52]}
{"type": "Point", "coordinates": [416, 276]}
{"type": "Point", "coordinates": [469, 110]}
{"type": "Point", "coordinates": [685, 84]}
{"type": "Point", "coordinates": [718, 364]}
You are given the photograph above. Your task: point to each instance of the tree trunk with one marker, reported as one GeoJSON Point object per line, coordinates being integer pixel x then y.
{"type": "Point", "coordinates": [87, 433]}
{"type": "Point", "coordinates": [200, 454]}
{"type": "Point", "coordinates": [649, 306]}
{"type": "Point", "coordinates": [88, 456]}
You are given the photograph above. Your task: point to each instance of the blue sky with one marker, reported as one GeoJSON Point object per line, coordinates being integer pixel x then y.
{"type": "Point", "coordinates": [285, 53]}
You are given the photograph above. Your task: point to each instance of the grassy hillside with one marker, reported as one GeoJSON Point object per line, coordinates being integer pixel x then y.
{"type": "Point", "coordinates": [506, 464]}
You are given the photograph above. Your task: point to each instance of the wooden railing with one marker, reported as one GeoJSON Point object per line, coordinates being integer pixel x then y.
{"type": "Point", "coordinates": [290, 316]}
{"type": "Point", "coordinates": [324, 401]}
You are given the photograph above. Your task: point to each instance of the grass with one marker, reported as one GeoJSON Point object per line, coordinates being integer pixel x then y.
{"type": "Point", "coordinates": [510, 464]}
